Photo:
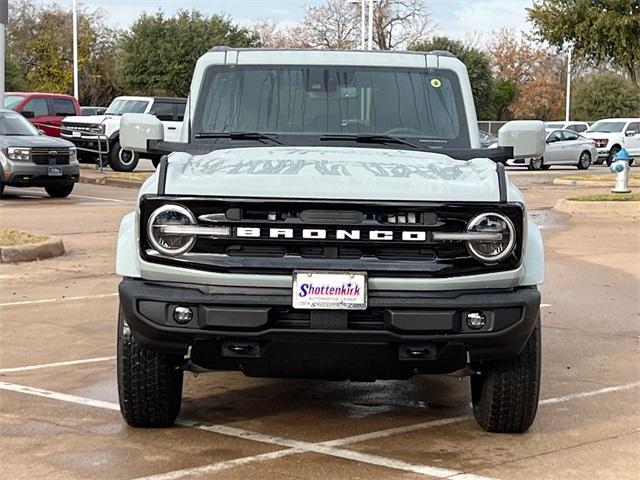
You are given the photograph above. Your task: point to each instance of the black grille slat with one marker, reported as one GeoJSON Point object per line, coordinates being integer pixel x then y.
{"type": "Point", "coordinates": [44, 156]}
{"type": "Point", "coordinates": [378, 257]}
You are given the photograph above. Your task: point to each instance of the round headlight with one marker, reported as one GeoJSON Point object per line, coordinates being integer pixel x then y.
{"type": "Point", "coordinates": [170, 243]}
{"type": "Point", "coordinates": [490, 251]}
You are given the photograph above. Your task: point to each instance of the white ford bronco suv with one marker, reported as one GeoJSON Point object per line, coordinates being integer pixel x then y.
{"type": "Point", "coordinates": [330, 214]}
{"type": "Point", "coordinates": [87, 131]}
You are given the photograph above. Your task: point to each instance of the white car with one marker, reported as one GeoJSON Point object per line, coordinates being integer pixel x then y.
{"type": "Point", "coordinates": [563, 147]}
{"type": "Point", "coordinates": [86, 131]}
{"type": "Point", "coordinates": [575, 126]}
{"type": "Point", "coordinates": [330, 214]}
{"type": "Point", "coordinates": [613, 134]}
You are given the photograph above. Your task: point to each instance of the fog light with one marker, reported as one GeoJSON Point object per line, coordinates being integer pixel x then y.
{"type": "Point", "coordinates": [182, 315]}
{"type": "Point", "coordinates": [476, 320]}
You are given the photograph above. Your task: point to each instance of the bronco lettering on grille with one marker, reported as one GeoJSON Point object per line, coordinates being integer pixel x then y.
{"type": "Point", "coordinates": [338, 234]}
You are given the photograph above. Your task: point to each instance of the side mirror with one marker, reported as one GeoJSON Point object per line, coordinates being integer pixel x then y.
{"type": "Point", "coordinates": [527, 137]}
{"type": "Point", "coordinates": [28, 114]}
{"type": "Point", "coordinates": [630, 133]}
{"type": "Point", "coordinates": [136, 129]}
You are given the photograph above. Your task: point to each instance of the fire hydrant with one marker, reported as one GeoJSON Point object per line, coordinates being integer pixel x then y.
{"type": "Point", "coordinates": [620, 166]}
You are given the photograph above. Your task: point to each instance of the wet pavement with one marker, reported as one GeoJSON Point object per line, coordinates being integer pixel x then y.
{"type": "Point", "coordinates": [59, 416]}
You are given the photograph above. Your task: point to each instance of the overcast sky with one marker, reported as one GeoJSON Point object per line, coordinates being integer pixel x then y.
{"type": "Point", "coordinates": [455, 18]}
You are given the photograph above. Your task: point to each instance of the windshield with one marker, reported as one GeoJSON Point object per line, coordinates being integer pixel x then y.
{"type": "Point", "coordinates": [304, 103]}
{"type": "Point", "coordinates": [15, 124]}
{"type": "Point", "coordinates": [121, 106]}
{"type": "Point", "coordinates": [607, 127]}
{"type": "Point", "coordinates": [553, 125]}
{"type": "Point", "coordinates": [12, 101]}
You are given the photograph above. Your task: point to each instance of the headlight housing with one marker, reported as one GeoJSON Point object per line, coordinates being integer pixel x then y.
{"type": "Point", "coordinates": [491, 251]}
{"type": "Point", "coordinates": [73, 154]}
{"type": "Point", "coordinates": [18, 153]}
{"type": "Point", "coordinates": [170, 243]}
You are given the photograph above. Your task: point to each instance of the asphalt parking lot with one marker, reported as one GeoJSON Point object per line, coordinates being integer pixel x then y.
{"type": "Point", "coordinates": [59, 416]}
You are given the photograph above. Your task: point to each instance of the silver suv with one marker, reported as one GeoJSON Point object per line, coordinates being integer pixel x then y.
{"type": "Point", "coordinates": [31, 159]}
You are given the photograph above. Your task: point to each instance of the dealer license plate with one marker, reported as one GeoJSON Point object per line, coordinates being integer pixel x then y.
{"type": "Point", "coordinates": [76, 134]}
{"type": "Point", "coordinates": [330, 290]}
{"type": "Point", "coordinates": [55, 172]}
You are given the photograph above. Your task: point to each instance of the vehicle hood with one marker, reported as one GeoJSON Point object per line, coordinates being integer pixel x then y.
{"type": "Point", "coordinates": [602, 135]}
{"type": "Point", "coordinates": [335, 173]}
{"type": "Point", "coordinates": [31, 141]}
{"type": "Point", "coordinates": [91, 119]}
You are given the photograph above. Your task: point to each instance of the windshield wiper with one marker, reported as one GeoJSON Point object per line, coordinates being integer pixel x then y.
{"type": "Point", "coordinates": [240, 136]}
{"type": "Point", "coordinates": [366, 138]}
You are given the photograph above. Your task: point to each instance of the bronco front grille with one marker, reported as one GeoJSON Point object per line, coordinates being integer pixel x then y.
{"type": "Point", "coordinates": [263, 253]}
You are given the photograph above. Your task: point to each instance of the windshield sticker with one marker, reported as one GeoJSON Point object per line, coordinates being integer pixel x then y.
{"type": "Point", "coordinates": [436, 82]}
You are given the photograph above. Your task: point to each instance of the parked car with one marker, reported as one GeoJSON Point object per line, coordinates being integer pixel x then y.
{"type": "Point", "coordinates": [329, 214]}
{"type": "Point", "coordinates": [90, 111]}
{"type": "Point", "coordinates": [575, 126]}
{"type": "Point", "coordinates": [487, 139]}
{"type": "Point", "coordinates": [85, 132]}
{"type": "Point", "coordinates": [562, 147]}
{"type": "Point", "coordinates": [44, 110]}
{"type": "Point", "coordinates": [31, 159]}
{"type": "Point", "coordinates": [613, 134]}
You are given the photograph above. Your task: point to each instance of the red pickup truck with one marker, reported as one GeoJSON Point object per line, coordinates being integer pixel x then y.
{"type": "Point", "coordinates": [44, 110]}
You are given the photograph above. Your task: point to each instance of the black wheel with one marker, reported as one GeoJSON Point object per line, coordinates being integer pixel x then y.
{"type": "Point", "coordinates": [536, 164]}
{"type": "Point", "coordinates": [149, 383]}
{"type": "Point", "coordinates": [584, 162]}
{"type": "Point", "coordinates": [155, 161]}
{"type": "Point", "coordinates": [1, 189]}
{"type": "Point", "coordinates": [505, 394]}
{"type": "Point", "coordinates": [122, 160]}
{"type": "Point", "coordinates": [612, 153]}
{"type": "Point", "coordinates": [59, 191]}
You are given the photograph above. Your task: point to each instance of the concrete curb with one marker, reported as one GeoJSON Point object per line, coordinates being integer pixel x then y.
{"type": "Point", "coordinates": [587, 183]}
{"type": "Point", "coordinates": [52, 247]}
{"type": "Point", "coordinates": [97, 180]}
{"type": "Point", "coordinates": [606, 208]}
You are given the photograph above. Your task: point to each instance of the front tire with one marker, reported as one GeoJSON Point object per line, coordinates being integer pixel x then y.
{"type": "Point", "coordinates": [59, 191]}
{"type": "Point", "coordinates": [149, 383]}
{"type": "Point", "coordinates": [505, 394]}
{"type": "Point", "coordinates": [122, 160]}
{"type": "Point", "coordinates": [536, 164]}
{"type": "Point", "coordinates": [584, 162]}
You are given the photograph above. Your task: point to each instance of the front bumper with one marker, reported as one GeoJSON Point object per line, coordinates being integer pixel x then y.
{"type": "Point", "coordinates": [257, 331]}
{"type": "Point", "coordinates": [28, 174]}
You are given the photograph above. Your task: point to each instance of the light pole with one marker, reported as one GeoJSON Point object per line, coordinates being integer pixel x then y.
{"type": "Point", "coordinates": [75, 50]}
{"type": "Point", "coordinates": [363, 16]}
{"type": "Point", "coordinates": [4, 18]}
{"type": "Point", "coordinates": [371, 24]}
{"type": "Point", "coordinates": [567, 110]}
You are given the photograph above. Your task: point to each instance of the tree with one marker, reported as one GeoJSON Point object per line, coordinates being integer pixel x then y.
{"type": "Point", "coordinates": [337, 24]}
{"type": "Point", "coordinates": [333, 24]}
{"type": "Point", "coordinates": [605, 95]}
{"type": "Point", "coordinates": [401, 23]}
{"type": "Point", "coordinates": [602, 31]}
{"type": "Point", "coordinates": [537, 74]}
{"type": "Point", "coordinates": [14, 82]}
{"type": "Point", "coordinates": [159, 53]}
{"type": "Point", "coordinates": [478, 66]}
{"type": "Point", "coordinates": [504, 93]}
{"type": "Point", "coordinates": [40, 48]}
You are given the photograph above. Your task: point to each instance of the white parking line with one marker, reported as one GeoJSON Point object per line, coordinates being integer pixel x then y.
{"type": "Point", "coordinates": [545, 305]}
{"type": "Point", "coordinates": [50, 300]}
{"type": "Point", "coordinates": [296, 446]}
{"type": "Point", "coordinates": [56, 364]}
{"type": "Point", "coordinates": [63, 397]}
{"type": "Point", "coordinates": [115, 200]}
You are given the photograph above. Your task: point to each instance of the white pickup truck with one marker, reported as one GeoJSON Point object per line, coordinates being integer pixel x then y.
{"type": "Point", "coordinates": [86, 131]}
